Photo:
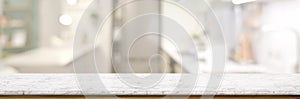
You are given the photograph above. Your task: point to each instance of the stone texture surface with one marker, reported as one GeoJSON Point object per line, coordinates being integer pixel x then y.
{"type": "Point", "coordinates": [143, 84]}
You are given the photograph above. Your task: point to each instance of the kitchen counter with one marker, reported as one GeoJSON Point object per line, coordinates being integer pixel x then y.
{"type": "Point", "coordinates": [204, 67]}
{"type": "Point", "coordinates": [232, 84]}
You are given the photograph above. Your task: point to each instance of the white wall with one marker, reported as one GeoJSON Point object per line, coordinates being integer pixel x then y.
{"type": "Point", "coordinates": [48, 20]}
{"type": "Point", "coordinates": [278, 46]}
{"type": "Point", "coordinates": [228, 21]}
{"type": "Point", "coordinates": [283, 13]}
{"type": "Point", "coordinates": [91, 34]}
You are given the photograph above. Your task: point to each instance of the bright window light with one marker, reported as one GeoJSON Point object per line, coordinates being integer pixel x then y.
{"type": "Point", "coordinates": [65, 20]}
{"type": "Point", "coordinates": [241, 1]}
{"type": "Point", "coordinates": [72, 2]}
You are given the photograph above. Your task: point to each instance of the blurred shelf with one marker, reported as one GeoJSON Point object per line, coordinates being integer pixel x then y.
{"type": "Point", "coordinates": [11, 28]}
{"type": "Point", "coordinates": [22, 16]}
{"type": "Point", "coordinates": [12, 8]}
{"type": "Point", "coordinates": [14, 49]}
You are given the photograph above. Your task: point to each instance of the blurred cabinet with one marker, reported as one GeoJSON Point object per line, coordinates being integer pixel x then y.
{"type": "Point", "coordinates": [134, 50]}
{"type": "Point", "coordinates": [19, 34]}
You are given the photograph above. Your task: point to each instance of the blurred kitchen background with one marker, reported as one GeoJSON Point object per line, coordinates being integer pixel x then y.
{"type": "Point", "coordinates": [262, 36]}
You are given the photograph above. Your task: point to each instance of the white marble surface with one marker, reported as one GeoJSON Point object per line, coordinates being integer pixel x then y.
{"type": "Point", "coordinates": [67, 84]}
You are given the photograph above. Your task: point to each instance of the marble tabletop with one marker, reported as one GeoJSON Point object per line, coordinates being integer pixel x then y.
{"type": "Point", "coordinates": [167, 84]}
